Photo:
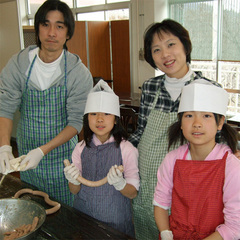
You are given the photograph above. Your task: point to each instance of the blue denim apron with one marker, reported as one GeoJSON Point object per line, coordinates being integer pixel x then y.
{"type": "Point", "coordinates": [104, 203]}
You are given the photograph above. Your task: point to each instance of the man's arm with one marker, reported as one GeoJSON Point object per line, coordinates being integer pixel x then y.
{"type": "Point", "coordinates": [35, 156]}
{"type": "Point", "coordinates": [5, 148]}
{"type": "Point", "coordinates": [6, 126]}
{"type": "Point", "coordinates": [65, 135]}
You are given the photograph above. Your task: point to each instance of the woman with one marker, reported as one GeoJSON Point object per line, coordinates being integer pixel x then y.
{"type": "Point", "coordinates": [167, 48]}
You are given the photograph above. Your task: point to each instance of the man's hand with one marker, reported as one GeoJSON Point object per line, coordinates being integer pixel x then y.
{"type": "Point", "coordinates": [32, 159]}
{"type": "Point", "coordinates": [5, 156]}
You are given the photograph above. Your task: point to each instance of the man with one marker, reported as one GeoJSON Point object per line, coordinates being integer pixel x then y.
{"type": "Point", "coordinates": [49, 85]}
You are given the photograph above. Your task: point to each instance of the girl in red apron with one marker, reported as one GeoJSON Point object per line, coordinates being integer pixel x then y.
{"type": "Point", "coordinates": [199, 181]}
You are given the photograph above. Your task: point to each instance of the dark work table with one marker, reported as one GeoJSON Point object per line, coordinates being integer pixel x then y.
{"type": "Point", "coordinates": [67, 223]}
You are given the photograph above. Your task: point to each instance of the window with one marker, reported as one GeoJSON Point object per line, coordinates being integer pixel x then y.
{"type": "Point", "coordinates": [102, 10]}
{"type": "Point", "coordinates": [85, 3]}
{"type": "Point", "coordinates": [215, 39]}
{"type": "Point", "coordinates": [88, 3]}
{"type": "Point", "coordinates": [104, 15]}
{"type": "Point", "coordinates": [87, 10]}
{"type": "Point", "coordinates": [33, 6]}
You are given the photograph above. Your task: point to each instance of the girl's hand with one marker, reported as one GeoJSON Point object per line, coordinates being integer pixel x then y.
{"type": "Point", "coordinates": [115, 178]}
{"type": "Point", "coordinates": [72, 173]}
{"type": "Point", "coordinates": [166, 235]}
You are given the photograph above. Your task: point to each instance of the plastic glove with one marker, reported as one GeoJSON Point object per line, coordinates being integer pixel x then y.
{"type": "Point", "coordinates": [32, 159]}
{"type": "Point", "coordinates": [115, 178]}
{"type": "Point", "coordinates": [71, 173]}
{"type": "Point", "coordinates": [166, 235]}
{"type": "Point", "coordinates": [15, 164]}
{"type": "Point", "coordinates": [5, 156]}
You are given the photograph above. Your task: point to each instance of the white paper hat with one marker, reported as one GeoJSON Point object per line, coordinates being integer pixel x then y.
{"type": "Point", "coordinates": [102, 99]}
{"type": "Point", "coordinates": [204, 98]}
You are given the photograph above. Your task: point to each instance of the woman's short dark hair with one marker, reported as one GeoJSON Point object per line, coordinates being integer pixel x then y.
{"type": "Point", "coordinates": [167, 26]}
{"type": "Point", "coordinates": [52, 5]}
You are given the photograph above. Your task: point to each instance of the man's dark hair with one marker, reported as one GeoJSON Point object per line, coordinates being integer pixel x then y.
{"type": "Point", "coordinates": [52, 5]}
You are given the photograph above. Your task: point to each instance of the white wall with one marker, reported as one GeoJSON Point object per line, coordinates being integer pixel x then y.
{"type": "Point", "coordinates": [11, 38]}
{"type": "Point", "coordinates": [142, 14]}
{"type": "Point", "coordinates": [10, 32]}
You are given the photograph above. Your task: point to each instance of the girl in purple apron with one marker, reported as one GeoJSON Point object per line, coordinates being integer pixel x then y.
{"type": "Point", "coordinates": [199, 181]}
{"type": "Point", "coordinates": [97, 156]}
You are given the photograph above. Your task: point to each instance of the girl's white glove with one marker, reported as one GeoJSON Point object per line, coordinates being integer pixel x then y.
{"type": "Point", "coordinates": [166, 235]}
{"type": "Point", "coordinates": [5, 157]}
{"type": "Point", "coordinates": [71, 173]}
{"type": "Point", "coordinates": [115, 178]}
{"type": "Point", "coordinates": [32, 159]}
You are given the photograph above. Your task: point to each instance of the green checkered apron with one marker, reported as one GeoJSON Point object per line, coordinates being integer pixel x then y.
{"type": "Point", "coordinates": [152, 150]}
{"type": "Point", "coordinates": [43, 116]}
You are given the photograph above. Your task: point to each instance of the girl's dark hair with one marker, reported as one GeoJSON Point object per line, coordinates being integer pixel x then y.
{"type": "Point", "coordinates": [167, 26]}
{"type": "Point", "coordinates": [228, 134]}
{"type": "Point", "coordinates": [52, 5]}
{"type": "Point", "coordinates": [118, 132]}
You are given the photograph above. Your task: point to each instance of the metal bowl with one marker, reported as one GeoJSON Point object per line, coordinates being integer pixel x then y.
{"type": "Point", "coordinates": [16, 212]}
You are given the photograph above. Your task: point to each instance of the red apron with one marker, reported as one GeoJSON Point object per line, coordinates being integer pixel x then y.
{"type": "Point", "coordinates": [197, 198]}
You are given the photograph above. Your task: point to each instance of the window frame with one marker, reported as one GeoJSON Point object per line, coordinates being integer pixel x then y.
{"type": "Point", "coordinates": [87, 9]}
{"type": "Point", "coordinates": [218, 61]}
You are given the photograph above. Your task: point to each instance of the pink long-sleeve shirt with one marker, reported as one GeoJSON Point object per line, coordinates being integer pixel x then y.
{"type": "Point", "coordinates": [230, 230]}
{"type": "Point", "coordinates": [129, 157]}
